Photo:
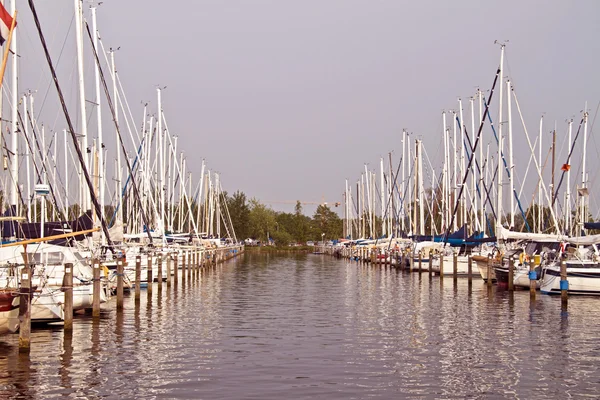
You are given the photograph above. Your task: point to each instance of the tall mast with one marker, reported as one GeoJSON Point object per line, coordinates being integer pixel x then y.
{"type": "Point", "coordinates": [568, 194]}
{"type": "Point", "coordinates": [444, 173]}
{"type": "Point", "coordinates": [27, 158]}
{"type": "Point", "coordinates": [382, 196]}
{"type": "Point", "coordinates": [455, 178]}
{"type": "Point", "coordinates": [14, 166]}
{"type": "Point", "coordinates": [541, 183]}
{"type": "Point", "coordinates": [473, 174]}
{"type": "Point", "coordinates": [403, 200]}
{"type": "Point", "coordinates": [462, 161]}
{"type": "Point", "coordinates": [420, 188]}
{"type": "Point", "coordinates": [99, 121]}
{"type": "Point", "coordinates": [583, 195]}
{"type": "Point", "coordinates": [510, 156]}
{"type": "Point", "coordinates": [481, 162]}
{"type": "Point", "coordinates": [500, 145]}
{"type": "Point", "coordinates": [118, 172]}
{"type": "Point", "coordinates": [86, 205]}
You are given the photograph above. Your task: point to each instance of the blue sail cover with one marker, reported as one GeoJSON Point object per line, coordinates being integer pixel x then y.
{"type": "Point", "coordinates": [455, 239]}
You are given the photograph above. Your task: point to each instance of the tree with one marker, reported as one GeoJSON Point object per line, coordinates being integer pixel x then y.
{"type": "Point", "coordinates": [327, 222]}
{"type": "Point", "coordinates": [240, 214]}
{"type": "Point", "coordinates": [261, 220]}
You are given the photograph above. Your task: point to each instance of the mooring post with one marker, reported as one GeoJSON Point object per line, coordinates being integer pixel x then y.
{"type": "Point", "coordinates": [511, 273]}
{"type": "Point", "coordinates": [149, 277]}
{"type": "Point", "coordinates": [138, 277]}
{"type": "Point", "coordinates": [454, 265]}
{"type": "Point", "coordinates": [564, 283]}
{"type": "Point", "coordinates": [25, 308]}
{"type": "Point", "coordinates": [420, 260]}
{"type": "Point", "coordinates": [183, 261]}
{"type": "Point", "coordinates": [430, 263]}
{"type": "Point", "coordinates": [67, 287]}
{"type": "Point", "coordinates": [189, 258]}
{"type": "Point", "coordinates": [532, 280]}
{"type": "Point", "coordinates": [489, 270]}
{"type": "Point", "coordinates": [442, 265]}
{"type": "Point", "coordinates": [168, 270]}
{"type": "Point", "coordinates": [96, 288]}
{"type": "Point", "coordinates": [470, 269]}
{"type": "Point", "coordinates": [120, 273]}
{"type": "Point", "coordinates": [175, 268]}
{"type": "Point", "coordinates": [159, 272]}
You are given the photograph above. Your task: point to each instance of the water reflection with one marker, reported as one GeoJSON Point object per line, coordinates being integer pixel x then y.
{"type": "Point", "coordinates": [302, 326]}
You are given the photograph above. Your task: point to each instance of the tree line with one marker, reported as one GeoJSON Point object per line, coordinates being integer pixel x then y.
{"type": "Point", "coordinates": [253, 219]}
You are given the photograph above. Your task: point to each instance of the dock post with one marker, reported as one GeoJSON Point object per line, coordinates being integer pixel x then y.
{"type": "Point", "coordinates": [532, 280]}
{"type": "Point", "coordinates": [159, 274]}
{"type": "Point", "coordinates": [454, 265]}
{"type": "Point", "coordinates": [189, 258]}
{"type": "Point", "coordinates": [175, 269]}
{"type": "Point", "coordinates": [411, 260]}
{"type": "Point", "coordinates": [120, 273]}
{"type": "Point", "coordinates": [138, 277]}
{"type": "Point", "coordinates": [470, 269]}
{"type": "Point", "coordinates": [430, 263]}
{"type": "Point", "coordinates": [489, 271]}
{"type": "Point", "coordinates": [511, 274]}
{"type": "Point", "coordinates": [168, 271]}
{"type": "Point", "coordinates": [25, 308]}
{"type": "Point", "coordinates": [420, 260]}
{"type": "Point", "coordinates": [149, 277]}
{"type": "Point", "coordinates": [96, 289]}
{"type": "Point", "coordinates": [442, 265]}
{"type": "Point", "coordinates": [564, 283]}
{"type": "Point", "coordinates": [67, 288]}
{"type": "Point", "coordinates": [183, 261]}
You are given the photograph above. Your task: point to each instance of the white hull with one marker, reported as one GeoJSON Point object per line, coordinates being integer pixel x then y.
{"type": "Point", "coordinates": [462, 265]}
{"type": "Point", "coordinates": [582, 279]}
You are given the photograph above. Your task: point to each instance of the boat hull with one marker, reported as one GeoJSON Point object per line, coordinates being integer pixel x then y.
{"type": "Point", "coordinates": [582, 280]}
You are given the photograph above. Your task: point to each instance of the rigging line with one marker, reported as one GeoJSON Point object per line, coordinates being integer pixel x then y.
{"type": "Point", "coordinates": [40, 151]}
{"type": "Point", "coordinates": [562, 175]}
{"type": "Point", "coordinates": [462, 187]}
{"type": "Point", "coordinates": [507, 169]}
{"type": "Point", "coordinates": [70, 124]}
{"type": "Point", "coordinates": [112, 110]}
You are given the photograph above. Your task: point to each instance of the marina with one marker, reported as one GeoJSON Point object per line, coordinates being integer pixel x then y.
{"type": "Point", "coordinates": [431, 231]}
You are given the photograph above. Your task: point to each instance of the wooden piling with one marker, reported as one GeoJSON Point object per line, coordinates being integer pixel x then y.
{"type": "Point", "coordinates": [532, 280]}
{"type": "Point", "coordinates": [138, 277]}
{"type": "Point", "coordinates": [120, 273]}
{"type": "Point", "coordinates": [67, 288]}
{"type": "Point", "coordinates": [159, 261]}
{"type": "Point", "coordinates": [96, 289]}
{"type": "Point", "coordinates": [25, 308]}
{"type": "Point", "coordinates": [183, 261]}
{"type": "Point", "coordinates": [149, 277]}
{"type": "Point", "coordinates": [169, 270]}
{"type": "Point", "coordinates": [470, 269]}
{"type": "Point", "coordinates": [489, 271]}
{"type": "Point", "coordinates": [511, 274]}
{"type": "Point", "coordinates": [454, 265]}
{"type": "Point", "coordinates": [564, 283]}
{"type": "Point", "coordinates": [189, 258]}
{"type": "Point", "coordinates": [175, 268]}
{"type": "Point", "coordinates": [430, 263]}
{"type": "Point", "coordinates": [420, 260]}
{"type": "Point", "coordinates": [442, 264]}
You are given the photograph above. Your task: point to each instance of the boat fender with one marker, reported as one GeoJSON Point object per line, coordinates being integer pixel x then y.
{"type": "Point", "coordinates": [522, 258]}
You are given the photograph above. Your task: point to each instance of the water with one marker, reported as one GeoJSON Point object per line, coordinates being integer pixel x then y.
{"type": "Point", "coordinates": [308, 326]}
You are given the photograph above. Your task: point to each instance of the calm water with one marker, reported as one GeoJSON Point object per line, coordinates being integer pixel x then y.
{"type": "Point", "coordinates": [308, 326]}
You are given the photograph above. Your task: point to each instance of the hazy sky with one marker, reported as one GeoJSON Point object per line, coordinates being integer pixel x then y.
{"type": "Point", "coordinates": [286, 99]}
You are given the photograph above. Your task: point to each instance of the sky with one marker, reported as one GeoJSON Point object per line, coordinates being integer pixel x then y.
{"type": "Point", "coordinates": [287, 99]}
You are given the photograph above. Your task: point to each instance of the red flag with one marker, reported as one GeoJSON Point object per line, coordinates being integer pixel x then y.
{"type": "Point", "coordinates": [565, 167]}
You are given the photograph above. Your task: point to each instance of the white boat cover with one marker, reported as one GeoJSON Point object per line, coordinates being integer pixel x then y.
{"type": "Point", "coordinates": [506, 234]}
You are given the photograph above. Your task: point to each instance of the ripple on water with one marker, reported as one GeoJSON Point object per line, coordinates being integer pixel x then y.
{"type": "Point", "coordinates": [305, 326]}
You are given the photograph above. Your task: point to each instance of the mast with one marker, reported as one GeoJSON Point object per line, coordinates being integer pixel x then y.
{"type": "Point", "coordinates": [27, 160]}
{"type": "Point", "coordinates": [14, 166]}
{"type": "Point", "coordinates": [541, 183]}
{"type": "Point", "coordinates": [382, 197]}
{"type": "Point", "coordinates": [83, 117]}
{"type": "Point", "coordinates": [420, 188]}
{"type": "Point", "coordinates": [462, 161]}
{"type": "Point", "coordinates": [100, 176]}
{"type": "Point", "coordinates": [511, 164]}
{"type": "Point", "coordinates": [482, 176]}
{"type": "Point", "coordinates": [500, 145]}
{"type": "Point", "coordinates": [444, 173]}
{"type": "Point", "coordinates": [473, 174]}
{"type": "Point", "coordinates": [568, 194]}
{"type": "Point", "coordinates": [583, 193]}
{"type": "Point", "coordinates": [455, 166]}
{"type": "Point", "coordinates": [403, 204]}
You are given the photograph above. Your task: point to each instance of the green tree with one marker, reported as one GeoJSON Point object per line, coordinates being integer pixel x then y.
{"type": "Point", "coordinates": [327, 222]}
{"type": "Point", "coordinates": [261, 220]}
{"type": "Point", "coordinates": [240, 214]}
